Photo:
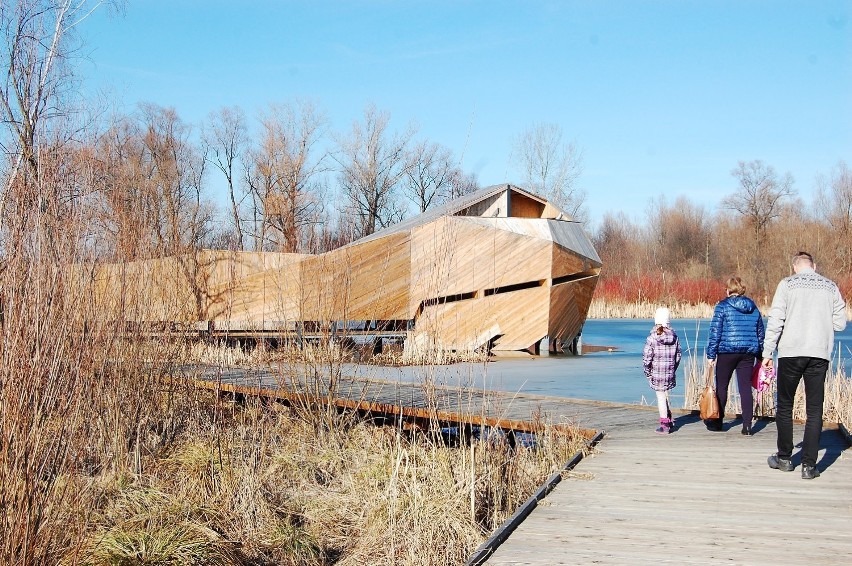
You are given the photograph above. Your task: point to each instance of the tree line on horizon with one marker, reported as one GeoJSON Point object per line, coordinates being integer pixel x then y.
{"type": "Point", "coordinates": [142, 182]}
{"type": "Point", "coordinates": [685, 253]}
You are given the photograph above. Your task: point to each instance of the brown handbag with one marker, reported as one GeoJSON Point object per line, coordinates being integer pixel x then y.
{"type": "Point", "coordinates": [707, 403]}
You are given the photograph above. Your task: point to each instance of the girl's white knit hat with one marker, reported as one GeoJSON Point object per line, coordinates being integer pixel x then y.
{"type": "Point", "coordinates": [662, 316]}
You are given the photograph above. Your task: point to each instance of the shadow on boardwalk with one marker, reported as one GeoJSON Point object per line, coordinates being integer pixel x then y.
{"type": "Point", "coordinates": [692, 497]}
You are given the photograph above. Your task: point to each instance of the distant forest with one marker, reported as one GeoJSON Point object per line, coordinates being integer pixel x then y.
{"type": "Point", "coordinates": [684, 253]}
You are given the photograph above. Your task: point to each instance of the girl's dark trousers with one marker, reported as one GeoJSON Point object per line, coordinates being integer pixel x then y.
{"type": "Point", "coordinates": [743, 364]}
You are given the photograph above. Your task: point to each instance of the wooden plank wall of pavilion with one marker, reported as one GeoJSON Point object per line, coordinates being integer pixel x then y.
{"type": "Point", "coordinates": [500, 268]}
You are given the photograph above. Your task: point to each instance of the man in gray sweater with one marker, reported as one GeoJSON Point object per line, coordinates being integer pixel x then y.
{"type": "Point", "coordinates": [806, 311]}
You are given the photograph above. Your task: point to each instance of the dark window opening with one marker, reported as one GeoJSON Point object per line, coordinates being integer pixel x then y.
{"type": "Point", "coordinates": [515, 287]}
{"type": "Point", "coordinates": [447, 299]}
{"type": "Point", "coordinates": [573, 277]}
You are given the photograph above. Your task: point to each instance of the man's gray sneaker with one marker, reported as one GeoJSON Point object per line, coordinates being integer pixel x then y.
{"type": "Point", "coordinates": [809, 472]}
{"type": "Point", "coordinates": [782, 464]}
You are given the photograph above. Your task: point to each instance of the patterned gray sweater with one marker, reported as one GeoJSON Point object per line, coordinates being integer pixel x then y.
{"type": "Point", "coordinates": [806, 311]}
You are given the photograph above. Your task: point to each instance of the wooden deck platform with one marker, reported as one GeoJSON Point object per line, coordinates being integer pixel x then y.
{"type": "Point", "coordinates": [692, 497]}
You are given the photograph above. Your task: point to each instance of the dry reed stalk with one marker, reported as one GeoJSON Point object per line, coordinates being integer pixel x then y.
{"type": "Point", "coordinates": [40, 410]}
{"type": "Point", "coordinates": [79, 396]}
{"type": "Point", "coordinates": [839, 393]}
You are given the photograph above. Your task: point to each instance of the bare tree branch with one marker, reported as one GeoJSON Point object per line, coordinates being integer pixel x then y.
{"type": "Point", "coordinates": [225, 137]}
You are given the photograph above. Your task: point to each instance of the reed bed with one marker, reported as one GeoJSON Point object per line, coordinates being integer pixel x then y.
{"type": "Point", "coordinates": [217, 353]}
{"type": "Point", "coordinates": [263, 486]}
{"type": "Point", "coordinates": [603, 309]}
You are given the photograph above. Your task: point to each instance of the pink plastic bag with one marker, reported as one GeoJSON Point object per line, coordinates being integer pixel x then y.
{"type": "Point", "coordinates": [761, 378]}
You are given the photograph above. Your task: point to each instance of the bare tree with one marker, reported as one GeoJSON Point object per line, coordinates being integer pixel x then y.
{"type": "Point", "coordinates": [433, 177]}
{"type": "Point", "coordinates": [552, 167]}
{"type": "Point", "coordinates": [617, 241]}
{"type": "Point", "coordinates": [460, 184]}
{"type": "Point", "coordinates": [151, 190]}
{"type": "Point", "coordinates": [35, 47]}
{"type": "Point", "coordinates": [372, 165]}
{"type": "Point", "coordinates": [123, 209]}
{"type": "Point", "coordinates": [225, 137]}
{"type": "Point", "coordinates": [174, 169]}
{"type": "Point", "coordinates": [793, 229]}
{"type": "Point", "coordinates": [834, 204]}
{"type": "Point", "coordinates": [760, 195]}
{"type": "Point", "coordinates": [428, 173]}
{"type": "Point", "coordinates": [759, 200]}
{"type": "Point", "coordinates": [682, 237]}
{"type": "Point", "coordinates": [38, 45]}
{"type": "Point", "coordinates": [283, 173]}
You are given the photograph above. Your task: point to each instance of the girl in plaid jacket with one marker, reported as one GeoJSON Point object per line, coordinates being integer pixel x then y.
{"type": "Point", "coordinates": [660, 359]}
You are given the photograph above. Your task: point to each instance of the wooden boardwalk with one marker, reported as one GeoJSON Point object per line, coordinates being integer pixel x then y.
{"type": "Point", "coordinates": [692, 497]}
{"type": "Point", "coordinates": [511, 411]}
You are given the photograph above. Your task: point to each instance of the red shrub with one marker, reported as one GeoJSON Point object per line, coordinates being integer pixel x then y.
{"type": "Point", "coordinates": [657, 288]}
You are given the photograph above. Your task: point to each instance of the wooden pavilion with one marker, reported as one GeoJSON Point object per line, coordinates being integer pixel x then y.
{"type": "Point", "coordinates": [500, 268]}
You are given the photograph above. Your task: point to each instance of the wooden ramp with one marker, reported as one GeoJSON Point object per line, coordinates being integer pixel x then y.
{"type": "Point", "coordinates": [692, 497]}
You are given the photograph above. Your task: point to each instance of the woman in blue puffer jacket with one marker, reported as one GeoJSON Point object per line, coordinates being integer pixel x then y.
{"type": "Point", "coordinates": [735, 342]}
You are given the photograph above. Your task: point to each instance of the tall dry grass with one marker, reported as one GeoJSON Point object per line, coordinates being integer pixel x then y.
{"type": "Point", "coordinates": [75, 399]}
{"type": "Point", "coordinates": [838, 393]}
{"type": "Point", "coordinates": [78, 405]}
{"type": "Point", "coordinates": [264, 486]}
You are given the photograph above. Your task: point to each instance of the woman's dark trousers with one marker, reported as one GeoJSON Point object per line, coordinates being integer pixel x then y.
{"type": "Point", "coordinates": [743, 364]}
{"type": "Point", "coordinates": [790, 371]}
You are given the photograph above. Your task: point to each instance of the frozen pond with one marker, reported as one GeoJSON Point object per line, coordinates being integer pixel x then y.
{"type": "Point", "coordinates": [607, 376]}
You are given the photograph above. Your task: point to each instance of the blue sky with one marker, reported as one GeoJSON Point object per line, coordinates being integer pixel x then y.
{"type": "Point", "coordinates": [663, 97]}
